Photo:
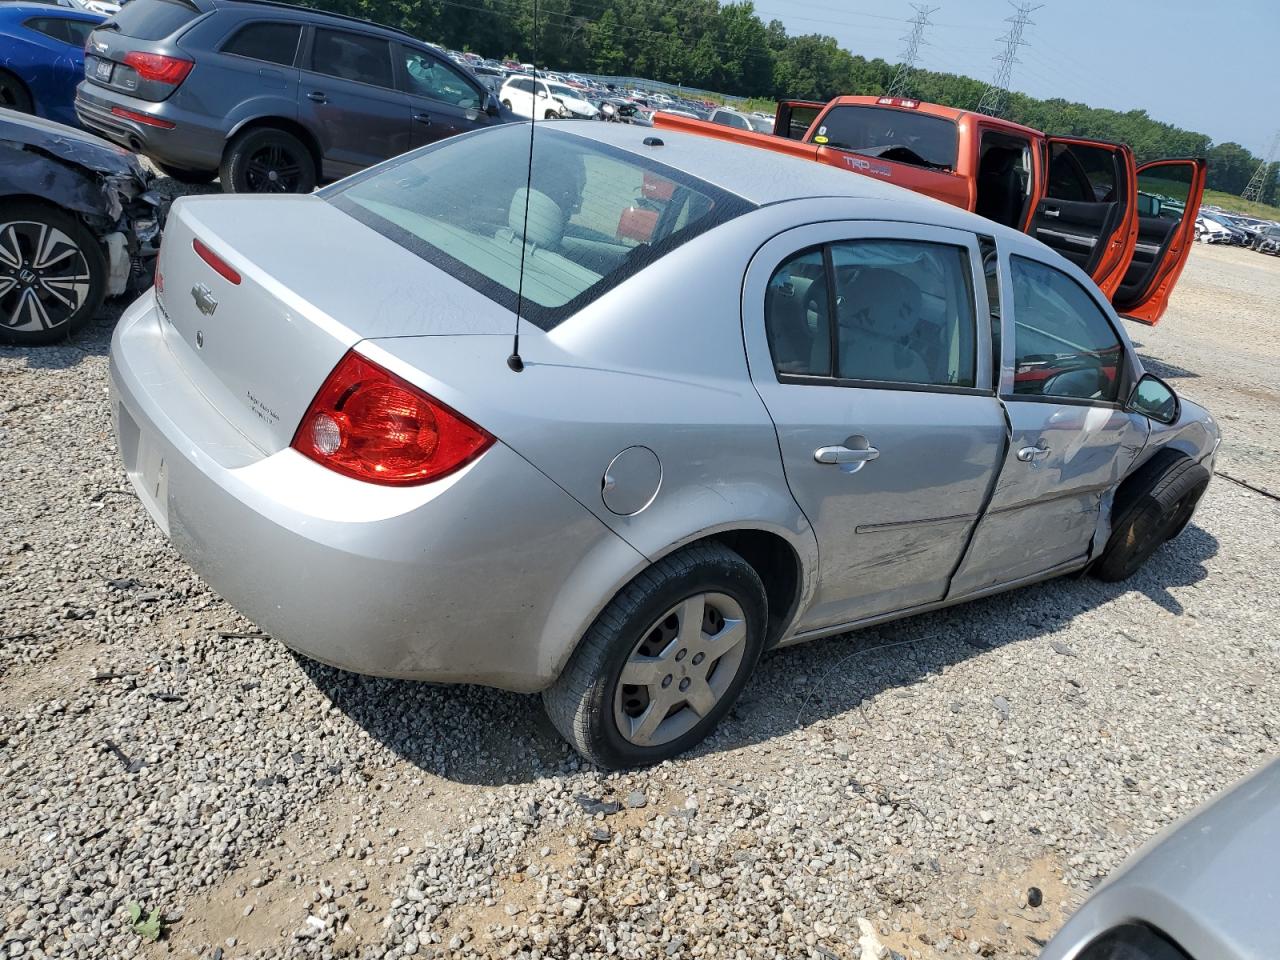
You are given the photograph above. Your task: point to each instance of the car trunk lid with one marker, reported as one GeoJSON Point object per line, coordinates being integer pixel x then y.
{"type": "Point", "coordinates": [261, 297]}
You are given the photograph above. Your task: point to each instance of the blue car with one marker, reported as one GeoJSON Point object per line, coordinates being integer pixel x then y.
{"type": "Point", "coordinates": [42, 58]}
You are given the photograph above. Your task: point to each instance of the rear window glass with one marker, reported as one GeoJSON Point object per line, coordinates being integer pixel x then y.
{"type": "Point", "coordinates": [269, 42]}
{"type": "Point", "coordinates": [902, 136]}
{"type": "Point", "coordinates": [153, 19]}
{"type": "Point", "coordinates": [596, 214]}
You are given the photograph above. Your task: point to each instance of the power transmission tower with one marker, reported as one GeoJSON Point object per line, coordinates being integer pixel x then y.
{"type": "Point", "coordinates": [996, 96]}
{"type": "Point", "coordinates": [900, 86]}
{"type": "Point", "coordinates": [1258, 181]}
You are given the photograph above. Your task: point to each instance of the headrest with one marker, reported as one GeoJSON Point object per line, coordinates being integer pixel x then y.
{"type": "Point", "coordinates": [891, 302]}
{"type": "Point", "coordinates": [545, 227]}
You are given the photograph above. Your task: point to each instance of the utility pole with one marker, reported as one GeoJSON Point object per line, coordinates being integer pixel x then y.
{"type": "Point", "coordinates": [900, 86]}
{"type": "Point", "coordinates": [996, 96]}
{"type": "Point", "coordinates": [1258, 181]}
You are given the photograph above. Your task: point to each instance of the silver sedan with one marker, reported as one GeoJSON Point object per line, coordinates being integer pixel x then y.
{"type": "Point", "coordinates": [755, 402]}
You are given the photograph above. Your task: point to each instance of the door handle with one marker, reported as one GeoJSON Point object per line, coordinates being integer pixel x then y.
{"type": "Point", "coordinates": [318, 96]}
{"type": "Point", "coordinates": [423, 118]}
{"type": "Point", "coordinates": [1052, 212]}
{"type": "Point", "coordinates": [843, 454]}
{"type": "Point", "coordinates": [1032, 454]}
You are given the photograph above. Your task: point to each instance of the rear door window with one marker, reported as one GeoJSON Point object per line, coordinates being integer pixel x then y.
{"type": "Point", "coordinates": [594, 217]}
{"type": "Point", "coordinates": [902, 136]}
{"type": "Point", "coordinates": [268, 42]}
{"type": "Point", "coordinates": [351, 56]}
{"type": "Point", "coordinates": [153, 19]}
{"type": "Point", "coordinates": [425, 76]}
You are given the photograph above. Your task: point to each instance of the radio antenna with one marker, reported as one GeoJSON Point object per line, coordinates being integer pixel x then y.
{"type": "Point", "coordinates": [514, 361]}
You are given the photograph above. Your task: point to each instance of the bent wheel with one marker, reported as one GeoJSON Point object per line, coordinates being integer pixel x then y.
{"type": "Point", "coordinates": [1155, 505]}
{"type": "Point", "coordinates": [664, 661]}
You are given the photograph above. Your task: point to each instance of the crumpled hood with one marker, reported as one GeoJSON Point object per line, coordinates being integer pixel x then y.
{"type": "Point", "coordinates": [73, 168]}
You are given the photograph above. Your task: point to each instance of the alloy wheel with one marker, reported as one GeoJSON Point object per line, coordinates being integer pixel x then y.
{"type": "Point", "coordinates": [681, 668]}
{"type": "Point", "coordinates": [273, 169]}
{"type": "Point", "coordinates": [44, 276]}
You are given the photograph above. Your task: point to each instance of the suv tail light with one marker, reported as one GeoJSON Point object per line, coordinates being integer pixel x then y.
{"type": "Point", "coordinates": [371, 425]}
{"type": "Point", "coordinates": [155, 66]}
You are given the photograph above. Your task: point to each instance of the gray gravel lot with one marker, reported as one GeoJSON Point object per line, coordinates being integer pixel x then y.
{"type": "Point", "coordinates": [898, 790]}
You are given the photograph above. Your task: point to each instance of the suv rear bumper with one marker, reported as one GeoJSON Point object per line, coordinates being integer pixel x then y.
{"type": "Point", "coordinates": [190, 144]}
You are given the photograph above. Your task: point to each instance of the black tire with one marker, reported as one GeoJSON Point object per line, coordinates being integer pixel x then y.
{"type": "Point", "coordinates": [552, 115]}
{"type": "Point", "coordinates": [581, 703]}
{"type": "Point", "coordinates": [1154, 506]}
{"type": "Point", "coordinates": [507, 104]}
{"type": "Point", "coordinates": [14, 94]}
{"type": "Point", "coordinates": [254, 156]}
{"type": "Point", "coordinates": [52, 302]}
{"type": "Point", "coordinates": [194, 177]}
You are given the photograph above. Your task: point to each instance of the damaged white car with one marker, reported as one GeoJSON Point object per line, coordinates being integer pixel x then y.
{"type": "Point", "coordinates": [78, 223]}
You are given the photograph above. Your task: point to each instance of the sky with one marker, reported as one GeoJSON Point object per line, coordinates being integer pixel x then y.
{"type": "Point", "coordinates": [1204, 65]}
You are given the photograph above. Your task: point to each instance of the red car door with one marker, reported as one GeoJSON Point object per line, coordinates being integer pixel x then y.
{"type": "Point", "coordinates": [1169, 194]}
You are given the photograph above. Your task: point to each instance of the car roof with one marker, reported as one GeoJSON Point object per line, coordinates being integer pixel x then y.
{"type": "Point", "coordinates": [311, 13]}
{"type": "Point", "coordinates": [765, 177]}
{"type": "Point", "coordinates": [49, 10]}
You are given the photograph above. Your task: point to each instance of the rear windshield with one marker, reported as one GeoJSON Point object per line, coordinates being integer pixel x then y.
{"type": "Point", "coordinates": [902, 136]}
{"type": "Point", "coordinates": [153, 19]}
{"type": "Point", "coordinates": [595, 214]}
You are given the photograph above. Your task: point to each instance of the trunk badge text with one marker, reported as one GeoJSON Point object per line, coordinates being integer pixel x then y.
{"type": "Point", "coordinates": [204, 299]}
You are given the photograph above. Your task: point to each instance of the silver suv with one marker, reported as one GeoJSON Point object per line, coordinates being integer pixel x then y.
{"type": "Point", "coordinates": [270, 97]}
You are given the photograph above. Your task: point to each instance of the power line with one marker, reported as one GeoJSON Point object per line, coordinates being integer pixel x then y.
{"type": "Point", "coordinates": [995, 97]}
{"type": "Point", "coordinates": [900, 85]}
{"type": "Point", "coordinates": [1257, 183]}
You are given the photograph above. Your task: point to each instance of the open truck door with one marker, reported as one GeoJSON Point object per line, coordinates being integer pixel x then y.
{"type": "Point", "coordinates": [794, 118]}
{"type": "Point", "coordinates": [1169, 194]}
{"type": "Point", "coordinates": [1087, 207]}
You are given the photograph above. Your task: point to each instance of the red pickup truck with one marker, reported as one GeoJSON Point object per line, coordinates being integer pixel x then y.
{"type": "Point", "coordinates": [1129, 227]}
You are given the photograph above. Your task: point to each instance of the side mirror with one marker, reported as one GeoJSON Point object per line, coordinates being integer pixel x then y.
{"type": "Point", "coordinates": [1154, 398]}
{"type": "Point", "coordinates": [491, 105]}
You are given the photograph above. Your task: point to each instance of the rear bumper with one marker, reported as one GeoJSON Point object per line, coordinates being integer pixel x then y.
{"type": "Point", "coordinates": [476, 578]}
{"type": "Point", "coordinates": [191, 144]}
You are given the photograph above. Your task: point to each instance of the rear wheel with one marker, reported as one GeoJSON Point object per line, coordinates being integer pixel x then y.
{"type": "Point", "coordinates": [664, 661]}
{"type": "Point", "coordinates": [1155, 505]}
{"type": "Point", "coordinates": [13, 94]}
{"type": "Point", "coordinates": [52, 273]}
{"type": "Point", "coordinates": [188, 176]}
{"type": "Point", "coordinates": [507, 104]}
{"type": "Point", "coordinates": [267, 160]}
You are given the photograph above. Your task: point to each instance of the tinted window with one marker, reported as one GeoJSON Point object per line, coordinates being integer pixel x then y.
{"type": "Point", "coordinates": [1063, 342]}
{"type": "Point", "coordinates": [426, 76]}
{"type": "Point", "coordinates": [350, 56]}
{"type": "Point", "coordinates": [50, 27]}
{"type": "Point", "coordinates": [153, 19]}
{"type": "Point", "coordinates": [899, 135]}
{"type": "Point", "coordinates": [730, 119]}
{"type": "Point", "coordinates": [903, 311]}
{"type": "Point", "coordinates": [1078, 172]}
{"type": "Point", "coordinates": [270, 42]}
{"type": "Point", "coordinates": [595, 215]}
{"type": "Point", "coordinates": [78, 31]}
{"type": "Point", "coordinates": [797, 317]}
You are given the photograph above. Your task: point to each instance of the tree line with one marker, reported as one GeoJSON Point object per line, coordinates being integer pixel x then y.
{"type": "Point", "coordinates": [726, 47]}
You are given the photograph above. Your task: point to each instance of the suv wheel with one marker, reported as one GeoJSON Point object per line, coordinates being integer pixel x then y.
{"type": "Point", "coordinates": [13, 94]}
{"type": "Point", "coordinates": [267, 160]}
{"type": "Point", "coordinates": [664, 661]}
{"type": "Point", "coordinates": [52, 274]}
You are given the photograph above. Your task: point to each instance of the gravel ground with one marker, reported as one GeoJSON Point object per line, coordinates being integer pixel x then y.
{"type": "Point", "coordinates": [895, 792]}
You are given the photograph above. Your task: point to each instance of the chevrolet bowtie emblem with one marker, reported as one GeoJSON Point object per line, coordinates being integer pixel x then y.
{"type": "Point", "coordinates": [204, 299]}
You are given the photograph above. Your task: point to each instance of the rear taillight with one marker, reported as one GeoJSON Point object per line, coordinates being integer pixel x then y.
{"type": "Point", "coordinates": [139, 117]}
{"type": "Point", "coordinates": [155, 66]}
{"type": "Point", "coordinates": [220, 266]}
{"type": "Point", "coordinates": [369, 424]}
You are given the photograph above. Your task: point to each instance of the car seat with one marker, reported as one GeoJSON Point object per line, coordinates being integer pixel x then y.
{"type": "Point", "coordinates": [879, 314]}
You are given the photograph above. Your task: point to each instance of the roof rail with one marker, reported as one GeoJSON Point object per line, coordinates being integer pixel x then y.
{"type": "Point", "coordinates": [301, 8]}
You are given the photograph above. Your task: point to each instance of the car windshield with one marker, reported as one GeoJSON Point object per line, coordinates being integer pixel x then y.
{"type": "Point", "coordinates": [890, 134]}
{"type": "Point", "coordinates": [760, 124]}
{"type": "Point", "coordinates": [560, 90]}
{"type": "Point", "coordinates": [595, 214]}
